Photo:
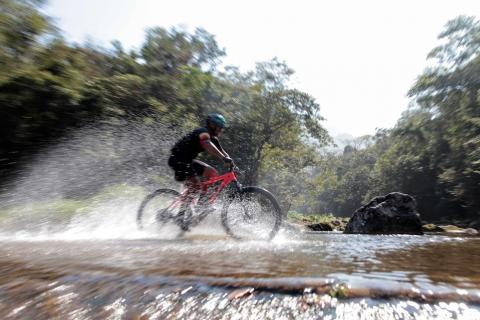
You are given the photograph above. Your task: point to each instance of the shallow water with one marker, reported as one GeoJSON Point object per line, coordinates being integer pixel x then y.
{"type": "Point", "coordinates": [309, 275]}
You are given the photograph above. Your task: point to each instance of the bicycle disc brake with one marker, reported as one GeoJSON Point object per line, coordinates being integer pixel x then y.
{"type": "Point", "coordinates": [163, 216]}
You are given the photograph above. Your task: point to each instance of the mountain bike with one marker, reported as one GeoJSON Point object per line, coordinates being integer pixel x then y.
{"type": "Point", "coordinates": [246, 213]}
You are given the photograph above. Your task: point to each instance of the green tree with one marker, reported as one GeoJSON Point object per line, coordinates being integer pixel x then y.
{"type": "Point", "coordinates": [21, 26]}
{"type": "Point", "coordinates": [451, 92]}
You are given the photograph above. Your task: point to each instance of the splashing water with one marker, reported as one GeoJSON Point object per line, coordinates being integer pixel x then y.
{"type": "Point", "coordinates": [89, 184]}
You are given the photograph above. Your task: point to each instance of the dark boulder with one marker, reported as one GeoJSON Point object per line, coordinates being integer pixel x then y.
{"type": "Point", "coordinates": [319, 227]}
{"type": "Point", "coordinates": [395, 213]}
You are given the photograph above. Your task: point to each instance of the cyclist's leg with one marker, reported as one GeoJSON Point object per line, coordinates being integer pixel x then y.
{"type": "Point", "coordinates": [184, 173]}
{"type": "Point", "coordinates": [204, 170]}
{"type": "Point", "coordinates": [192, 186]}
{"type": "Point", "coordinates": [180, 167]}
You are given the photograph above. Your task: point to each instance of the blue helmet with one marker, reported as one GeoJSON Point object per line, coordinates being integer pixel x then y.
{"type": "Point", "coordinates": [217, 119]}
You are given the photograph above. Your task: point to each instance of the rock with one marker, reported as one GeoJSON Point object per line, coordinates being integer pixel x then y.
{"type": "Point", "coordinates": [319, 227]}
{"type": "Point", "coordinates": [471, 231]}
{"type": "Point", "coordinates": [395, 213]}
{"type": "Point", "coordinates": [474, 224]}
{"type": "Point", "coordinates": [240, 293]}
{"type": "Point", "coordinates": [460, 223]}
{"type": "Point", "coordinates": [430, 227]}
{"type": "Point", "coordinates": [454, 229]}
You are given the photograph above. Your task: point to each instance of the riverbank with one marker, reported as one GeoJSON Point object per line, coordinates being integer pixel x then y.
{"type": "Point", "coordinates": [328, 222]}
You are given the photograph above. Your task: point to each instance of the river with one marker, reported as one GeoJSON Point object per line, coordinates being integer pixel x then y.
{"type": "Point", "coordinates": [296, 276]}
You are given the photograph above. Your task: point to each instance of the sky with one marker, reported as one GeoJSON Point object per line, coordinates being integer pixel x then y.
{"type": "Point", "coordinates": [357, 58]}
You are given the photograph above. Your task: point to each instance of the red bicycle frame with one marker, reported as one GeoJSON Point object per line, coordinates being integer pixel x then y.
{"type": "Point", "coordinates": [221, 181]}
{"type": "Point", "coordinates": [217, 183]}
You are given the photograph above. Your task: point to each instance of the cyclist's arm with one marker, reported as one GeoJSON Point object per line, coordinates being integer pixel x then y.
{"type": "Point", "coordinates": [217, 144]}
{"type": "Point", "coordinates": [228, 161]}
{"type": "Point", "coordinates": [208, 146]}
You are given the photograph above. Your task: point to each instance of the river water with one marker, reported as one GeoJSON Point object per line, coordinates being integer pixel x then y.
{"type": "Point", "coordinates": [207, 275]}
{"type": "Point", "coordinates": [97, 264]}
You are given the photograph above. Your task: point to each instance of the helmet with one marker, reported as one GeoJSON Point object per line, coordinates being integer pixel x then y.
{"type": "Point", "coordinates": [217, 119]}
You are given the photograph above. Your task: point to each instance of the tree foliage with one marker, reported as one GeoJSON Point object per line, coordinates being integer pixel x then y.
{"type": "Point", "coordinates": [433, 152]}
{"type": "Point", "coordinates": [49, 87]}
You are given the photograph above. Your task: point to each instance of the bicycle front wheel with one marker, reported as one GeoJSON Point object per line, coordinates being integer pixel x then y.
{"type": "Point", "coordinates": [160, 209]}
{"type": "Point", "coordinates": [253, 213]}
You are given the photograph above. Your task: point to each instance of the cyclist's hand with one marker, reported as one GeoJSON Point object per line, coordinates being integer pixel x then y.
{"type": "Point", "coordinates": [228, 162]}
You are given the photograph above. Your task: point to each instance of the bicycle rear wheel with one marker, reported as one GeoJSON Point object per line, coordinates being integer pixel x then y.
{"type": "Point", "coordinates": [253, 213]}
{"type": "Point", "coordinates": [159, 210]}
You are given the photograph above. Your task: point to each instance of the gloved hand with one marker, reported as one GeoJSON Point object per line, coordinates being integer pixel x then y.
{"type": "Point", "coordinates": [228, 162]}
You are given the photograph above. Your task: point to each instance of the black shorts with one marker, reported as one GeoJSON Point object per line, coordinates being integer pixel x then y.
{"type": "Point", "coordinates": [185, 169]}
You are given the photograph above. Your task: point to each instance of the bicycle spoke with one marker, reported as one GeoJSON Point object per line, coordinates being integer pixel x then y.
{"type": "Point", "coordinates": [160, 213]}
{"type": "Point", "coordinates": [253, 214]}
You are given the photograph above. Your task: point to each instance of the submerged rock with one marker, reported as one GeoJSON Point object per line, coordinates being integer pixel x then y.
{"type": "Point", "coordinates": [471, 231]}
{"type": "Point", "coordinates": [450, 228]}
{"type": "Point", "coordinates": [395, 213]}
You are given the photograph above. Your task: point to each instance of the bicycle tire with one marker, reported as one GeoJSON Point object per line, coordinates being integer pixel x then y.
{"type": "Point", "coordinates": [246, 200]}
{"type": "Point", "coordinates": [148, 217]}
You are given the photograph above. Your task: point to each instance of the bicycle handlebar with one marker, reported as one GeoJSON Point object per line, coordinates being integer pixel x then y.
{"type": "Point", "coordinates": [234, 168]}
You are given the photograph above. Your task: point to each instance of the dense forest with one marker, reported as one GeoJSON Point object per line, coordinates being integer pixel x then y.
{"type": "Point", "coordinates": [50, 88]}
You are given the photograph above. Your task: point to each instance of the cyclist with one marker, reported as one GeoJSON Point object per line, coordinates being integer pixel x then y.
{"type": "Point", "coordinates": [182, 159]}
